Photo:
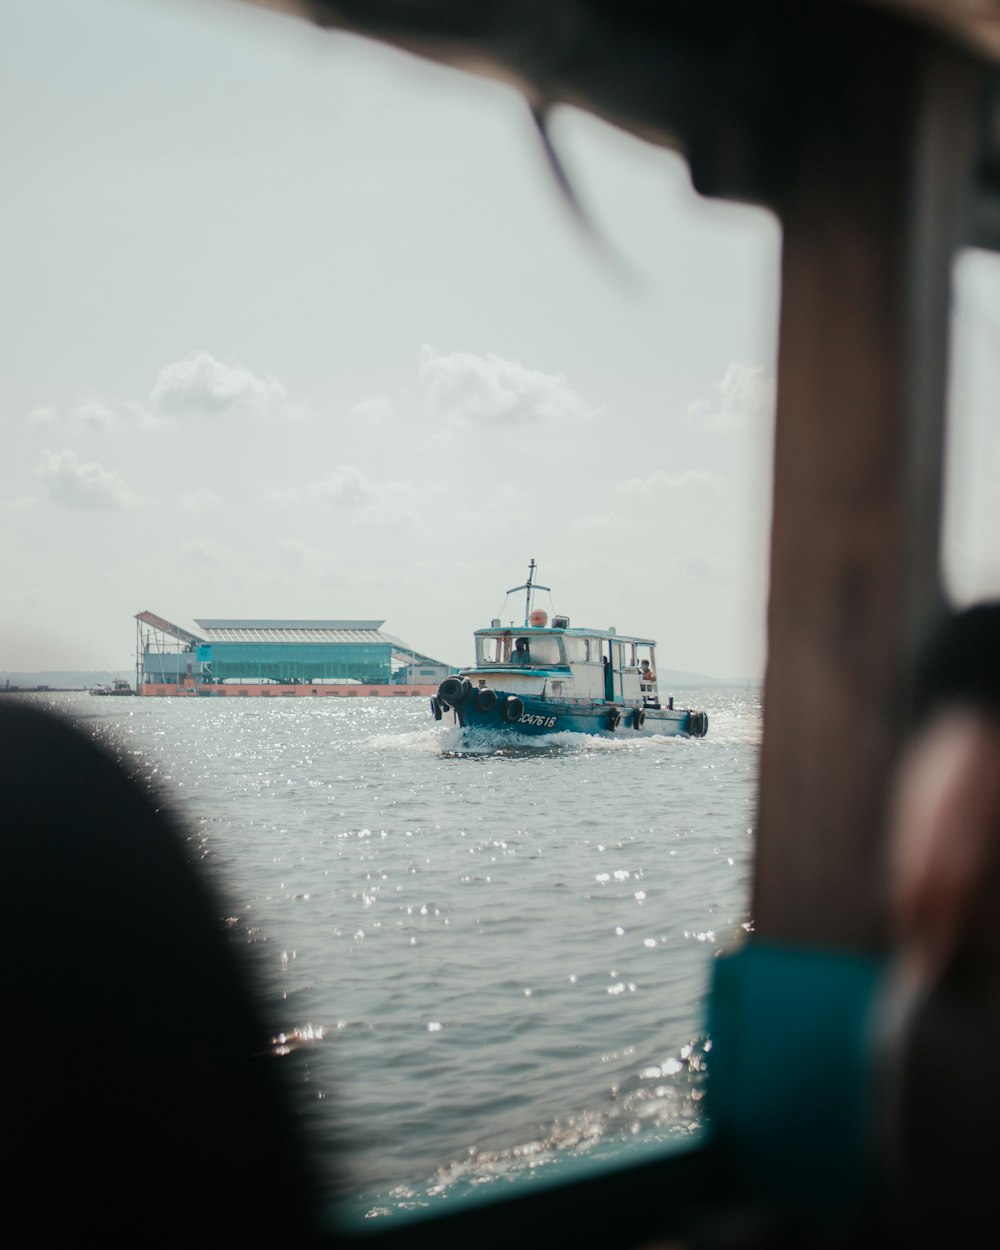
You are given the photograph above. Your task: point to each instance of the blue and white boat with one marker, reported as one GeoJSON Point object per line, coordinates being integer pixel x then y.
{"type": "Point", "coordinates": [547, 678]}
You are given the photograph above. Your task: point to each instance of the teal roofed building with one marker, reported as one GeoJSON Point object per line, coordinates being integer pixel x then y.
{"type": "Point", "coordinates": [292, 654]}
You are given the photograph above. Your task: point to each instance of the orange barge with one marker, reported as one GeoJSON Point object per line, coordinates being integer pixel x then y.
{"type": "Point", "coordinates": [237, 689]}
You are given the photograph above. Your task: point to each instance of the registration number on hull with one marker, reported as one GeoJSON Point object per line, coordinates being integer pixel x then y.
{"type": "Point", "coordinates": [532, 718]}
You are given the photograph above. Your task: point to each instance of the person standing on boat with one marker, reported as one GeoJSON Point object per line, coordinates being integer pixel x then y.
{"type": "Point", "coordinates": [521, 654]}
{"type": "Point", "coordinates": [646, 673]}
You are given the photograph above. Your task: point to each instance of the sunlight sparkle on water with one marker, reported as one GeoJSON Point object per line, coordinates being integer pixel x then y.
{"type": "Point", "coordinates": [387, 923]}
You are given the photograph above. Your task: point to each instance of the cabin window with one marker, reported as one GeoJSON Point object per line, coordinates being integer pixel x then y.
{"type": "Point", "coordinates": [494, 650]}
{"type": "Point", "coordinates": [545, 650]}
{"type": "Point", "coordinates": [577, 650]}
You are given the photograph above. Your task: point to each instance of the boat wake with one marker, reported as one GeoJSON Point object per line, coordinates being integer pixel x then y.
{"type": "Point", "coordinates": [455, 741]}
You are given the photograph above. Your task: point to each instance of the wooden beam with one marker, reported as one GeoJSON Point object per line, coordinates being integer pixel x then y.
{"type": "Point", "coordinates": [872, 211]}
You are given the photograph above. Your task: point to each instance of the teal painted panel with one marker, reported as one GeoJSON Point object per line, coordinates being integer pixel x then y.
{"type": "Point", "coordinates": [299, 661]}
{"type": "Point", "coordinates": [791, 1091]}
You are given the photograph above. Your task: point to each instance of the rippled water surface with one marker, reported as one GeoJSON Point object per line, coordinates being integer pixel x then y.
{"type": "Point", "coordinates": [484, 960]}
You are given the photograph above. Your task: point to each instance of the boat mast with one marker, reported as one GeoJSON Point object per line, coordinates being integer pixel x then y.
{"type": "Point", "coordinates": [529, 587]}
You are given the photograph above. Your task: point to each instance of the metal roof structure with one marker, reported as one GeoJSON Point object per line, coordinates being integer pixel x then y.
{"type": "Point", "coordinates": [292, 631]}
{"type": "Point", "coordinates": [273, 632]}
{"type": "Point", "coordinates": [168, 627]}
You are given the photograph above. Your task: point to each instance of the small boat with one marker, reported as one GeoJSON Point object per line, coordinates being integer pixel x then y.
{"type": "Point", "coordinates": [545, 678]}
{"type": "Point", "coordinates": [118, 687]}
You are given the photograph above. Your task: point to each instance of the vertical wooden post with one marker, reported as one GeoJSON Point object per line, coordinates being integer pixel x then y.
{"type": "Point", "coordinates": [871, 215]}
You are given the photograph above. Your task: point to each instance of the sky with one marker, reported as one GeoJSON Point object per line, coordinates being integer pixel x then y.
{"type": "Point", "coordinates": [297, 326]}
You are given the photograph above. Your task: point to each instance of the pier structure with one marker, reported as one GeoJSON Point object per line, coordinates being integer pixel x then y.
{"type": "Point", "coordinates": [279, 657]}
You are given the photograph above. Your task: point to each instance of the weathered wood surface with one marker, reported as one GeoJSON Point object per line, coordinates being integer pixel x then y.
{"type": "Point", "coordinates": [975, 22]}
{"type": "Point", "coordinates": [509, 35]}
{"type": "Point", "coordinates": [871, 218]}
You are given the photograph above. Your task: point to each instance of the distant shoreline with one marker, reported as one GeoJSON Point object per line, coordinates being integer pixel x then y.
{"type": "Point", "coordinates": [60, 681]}
{"type": "Point", "coordinates": [12, 689]}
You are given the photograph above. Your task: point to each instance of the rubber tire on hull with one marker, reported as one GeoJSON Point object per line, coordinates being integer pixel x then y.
{"type": "Point", "coordinates": [454, 691]}
{"type": "Point", "coordinates": [485, 700]}
{"type": "Point", "coordinates": [638, 718]}
{"type": "Point", "coordinates": [614, 719]}
{"type": "Point", "coordinates": [512, 710]}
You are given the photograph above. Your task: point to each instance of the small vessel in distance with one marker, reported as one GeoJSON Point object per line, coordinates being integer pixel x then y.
{"type": "Point", "coordinates": [119, 687]}
{"type": "Point", "coordinates": [547, 678]}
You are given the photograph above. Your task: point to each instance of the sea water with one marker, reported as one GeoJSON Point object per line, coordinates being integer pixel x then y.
{"type": "Point", "coordinates": [484, 959]}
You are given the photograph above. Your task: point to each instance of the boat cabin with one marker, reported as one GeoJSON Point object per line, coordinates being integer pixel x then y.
{"type": "Point", "coordinates": [567, 663]}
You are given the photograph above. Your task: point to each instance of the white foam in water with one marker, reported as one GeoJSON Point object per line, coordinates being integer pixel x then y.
{"type": "Point", "coordinates": [454, 739]}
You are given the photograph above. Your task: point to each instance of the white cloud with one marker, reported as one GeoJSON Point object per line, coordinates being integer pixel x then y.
{"type": "Point", "coordinates": [363, 501]}
{"type": "Point", "coordinates": [342, 488]}
{"type": "Point", "coordinates": [377, 410]}
{"type": "Point", "coordinates": [208, 553]}
{"type": "Point", "coordinates": [290, 553]}
{"type": "Point", "coordinates": [696, 508]}
{"type": "Point", "coordinates": [744, 397]}
{"type": "Point", "coordinates": [199, 501]}
{"type": "Point", "coordinates": [90, 486]}
{"type": "Point", "coordinates": [202, 384]}
{"type": "Point", "coordinates": [94, 414]}
{"type": "Point", "coordinates": [692, 483]}
{"type": "Point", "coordinates": [97, 416]}
{"type": "Point", "coordinates": [696, 568]}
{"type": "Point", "coordinates": [466, 389]}
{"type": "Point", "coordinates": [43, 415]}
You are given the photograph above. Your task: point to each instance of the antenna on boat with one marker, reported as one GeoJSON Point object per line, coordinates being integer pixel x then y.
{"type": "Point", "coordinates": [529, 587]}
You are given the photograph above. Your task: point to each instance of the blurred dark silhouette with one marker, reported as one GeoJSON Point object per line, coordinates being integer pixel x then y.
{"type": "Point", "coordinates": [141, 1103]}
{"type": "Point", "coordinates": [945, 881]}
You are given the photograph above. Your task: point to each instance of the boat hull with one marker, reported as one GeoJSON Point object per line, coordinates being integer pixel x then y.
{"type": "Point", "coordinates": [524, 716]}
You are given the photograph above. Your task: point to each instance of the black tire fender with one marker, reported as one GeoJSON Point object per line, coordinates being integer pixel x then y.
{"type": "Point", "coordinates": [485, 700]}
{"type": "Point", "coordinates": [512, 710]}
{"type": "Point", "coordinates": [638, 718]}
{"type": "Point", "coordinates": [614, 719]}
{"type": "Point", "coordinates": [454, 691]}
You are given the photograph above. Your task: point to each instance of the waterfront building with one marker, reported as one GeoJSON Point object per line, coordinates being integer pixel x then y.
{"type": "Point", "coordinates": [266, 657]}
